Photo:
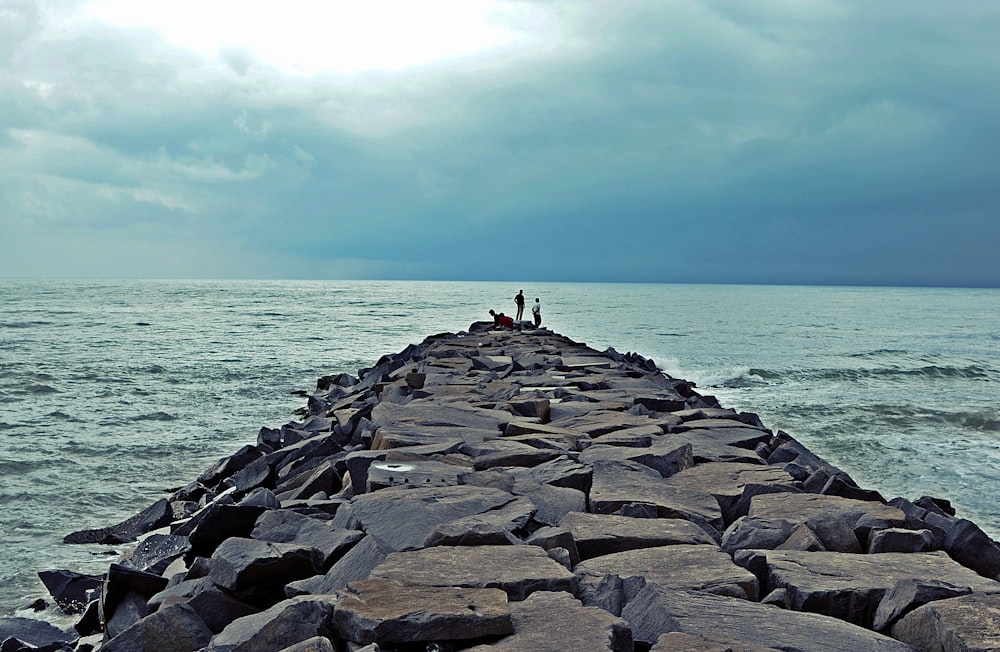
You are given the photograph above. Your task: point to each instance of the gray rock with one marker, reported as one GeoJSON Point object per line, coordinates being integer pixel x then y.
{"type": "Point", "coordinates": [726, 480]}
{"type": "Point", "coordinates": [694, 643]}
{"type": "Point", "coordinates": [283, 526]}
{"type": "Point", "coordinates": [157, 515]}
{"type": "Point", "coordinates": [850, 587]}
{"type": "Point", "coordinates": [412, 473]}
{"type": "Point", "coordinates": [755, 533]}
{"type": "Point", "coordinates": [551, 503]}
{"type": "Point", "coordinates": [664, 456]}
{"type": "Point", "coordinates": [356, 564]}
{"type": "Point", "coordinates": [518, 570]}
{"type": "Point", "coordinates": [33, 631]}
{"type": "Point", "coordinates": [907, 595]}
{"type": "Point", "coordinates": [602, 534]}
{"type": "Point", "coordinates": [402, 518]}
{"type": "Point", "coordinates": [617, 484]}
{"type": "Point", "coordinates": [696, 567]}
{"type": "Point", "coordinates": [798, 508]}
{"type": "Point", "coordinates": [962, 624]}
{"type": "Point", "coordinates": [177, 628]}
{"type": "Point", "coordinates": [547, 621]}
{"type": "Point", "coordinates": [657, 610]}
{"type": "Point", "coordinates": [286, 623]}
{"type": "Point", "coordinates": [560, 472]}
{"type": "Point", "coordinates": [314, 644]}
{"type": "Point", "coordinates": [549, 538]}
{"type": "Point", "coordinates": [900, 540]}
{"type": "Point", "coordinates": [388, 611]}
{"type": "Point", "coordinates": [257, 571]}
{"type": "Point", "coordinates": [494, 527]}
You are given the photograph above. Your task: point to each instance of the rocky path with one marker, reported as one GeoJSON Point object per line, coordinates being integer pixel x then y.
{"type": "Point", "coordinates": [516, 490]}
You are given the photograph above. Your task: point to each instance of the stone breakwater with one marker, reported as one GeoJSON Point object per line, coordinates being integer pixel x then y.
{"type": "Point", "coordinates": [516, 490]}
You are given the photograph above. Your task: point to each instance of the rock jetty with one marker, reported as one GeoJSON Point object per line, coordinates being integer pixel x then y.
{"type": "Point", "coordinates": [514, 490]}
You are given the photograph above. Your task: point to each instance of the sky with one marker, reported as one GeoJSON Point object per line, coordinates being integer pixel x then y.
{"type": "Point", "coordinates": [678, 141]}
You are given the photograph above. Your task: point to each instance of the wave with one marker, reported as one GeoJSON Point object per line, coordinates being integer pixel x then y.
{"type": "Point", "coordinates": [156, 416]}
{"type": "Point", "coordinates": [26, 324]}
{"type": "Point", "coordinates": [969, 372]}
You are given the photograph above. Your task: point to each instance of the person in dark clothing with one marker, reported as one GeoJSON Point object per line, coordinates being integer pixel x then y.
{"type": "Point", "coordinates": [519, 300]}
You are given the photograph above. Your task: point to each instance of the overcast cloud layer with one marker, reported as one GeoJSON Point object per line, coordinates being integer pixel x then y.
{"type": "Point", "coordinates": [773, 141]}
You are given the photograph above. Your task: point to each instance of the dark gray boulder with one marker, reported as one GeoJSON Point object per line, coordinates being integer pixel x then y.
{"type": "Point", "coordinates": [177, 628]}
{"type": "Point", "coordinates": [33, 632]}
{"type": "Point", "coordinates": [602, 534]}
{"type": "Point", "coordinates": [696, 567]}
{"type": "Point", "coordinates": [546, 621]}
{"type": "Point", "coordinates": [402, 518]}
{"type": "Point", "coordinates": [157, 515]}
{"type": "Point", "coordinates": [286, 623]}
{"type": "Point", "coordinates": [657, 610]}
{"type": "Point", "coordinates": [257, 571]}
{"type": "Point", "coordinates": [962, 624]}
{"type": "Point", "coordinates": [518, 570]}
{"type": "Point", "coordinates": [909, 594]}
{"type": "Point", "coordinates": [356, 564]}
{"type": "Point", "coordinates": [390, 611]}
{"type": "Point", "coordinates": [284, 526]}
{"type": "Point", "coordinates": [72, 591]}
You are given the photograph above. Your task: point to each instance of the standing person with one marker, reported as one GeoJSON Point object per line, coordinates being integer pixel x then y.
{"type": "Point", "coordinates": [536, 313]}
{"type": "Point", "coordinates": [519, 300]}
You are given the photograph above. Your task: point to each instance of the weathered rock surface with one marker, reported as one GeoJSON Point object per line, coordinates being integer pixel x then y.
{"type": "Point", "coordinates": [391, 611]}
{"type": "Point", "coordinates": [658, 610]}
{"type": "Point", "coordinates": [516, 490]}
{"type": "Point", "coordinates": [550, 621]}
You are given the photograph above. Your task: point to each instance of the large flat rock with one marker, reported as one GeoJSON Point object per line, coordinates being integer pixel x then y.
{"type": "Point", "coordinates": [557, 621]}
{"type": "Point", "coordinates": [518, 570]}
{"type": "Point", "coordinates": [402, 518]}
{"type": "Point", "coordinates": [795, 508]}
{"type": "Point", "coordinates": [657, 610]}
{"type": "Point", "coordinates": [618, 484]}
{"type": "Point", "coordinates": [603, 534]}
{"type": "Point", "coordinates": [391, 611]}
{"type": "Point", "coordinates": [664, 456]}
{"type": "Point", "coordinates": [970, 622]}
{"type": "Point", "coordinates": [696, 567]}
{"type": "Point", "coordinates": [726, 480]}
{"type": "Point", "coordinates": [850, 587]}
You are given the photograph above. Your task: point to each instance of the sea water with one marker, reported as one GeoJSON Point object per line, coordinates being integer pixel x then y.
{"type": "Point", "coordinates": [114, 392]}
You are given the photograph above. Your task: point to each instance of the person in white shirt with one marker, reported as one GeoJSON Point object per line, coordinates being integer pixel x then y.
{"type": "Point", "coordinates": [536, 312]}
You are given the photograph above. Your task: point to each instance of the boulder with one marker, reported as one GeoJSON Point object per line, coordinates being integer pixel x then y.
{"type": "Point", "coordinates": [177, 628]}
{"type": "Point", "coordinates": [286, 623]}
{"type": "Point", "coordinates": [900, 540]}
{"type": "Point", "coordinates": [32, 631]}
{"type": "Point", "coordinates": [356, 564]}
{"type": "Point", "coordinates": [696, 567]}
{"type": "Point", "coordinates": [155, 552]}
{"type": "Point", "coordinates": [518, 570]}
{"type": "Point", "coordinates": [602, 534]}
{"type": "Point", "coordinates": [551, 503]}
{"type": "Point", "coordinates": [726, 480]}
{"type": "Point", "coordinates": [402, 518]}
{"type": "Point", "coordinates": [391, 611]}
{"type": "Point", "coordinates": [674, 641]}
{"type": "Point", "coordinates": [755, 533]}
{"type": "Point", "coordinates": [257, 571]}
{"type": "Point", "coordinates": [72, 591]}
{"type": "Point", "coordinates": [157, 515]}
{"type": "Point", "coordinates": [907, 595]}
{"type": "Point", "coordinates": [555, 620]}
{"type": "Point", "coordinates": [664, 456]}
{"type": "Point", "coordinates": [962, 624]}
{"type": "Point", "coordinates": [795, 508]}
{"type": "Point", "coordinates": [560, 472]}
{"type": "Point", "coordinates": [494, 527]}
{"type": "Point", "coordinates": [284, 526]}
{"type": "Point", "coordinates": [617, 484]}
{"type": "Point", "coordinates": [657, 610]}
{"type": "Point", "coordinates": [850, 587]}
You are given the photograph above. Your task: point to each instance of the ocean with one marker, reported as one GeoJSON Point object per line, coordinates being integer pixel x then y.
{"type": "Point", "coordinates": [113, 392]}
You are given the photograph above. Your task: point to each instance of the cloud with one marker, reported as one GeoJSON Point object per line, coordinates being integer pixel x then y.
{"type": "Point", "coordinates": [774, 141]}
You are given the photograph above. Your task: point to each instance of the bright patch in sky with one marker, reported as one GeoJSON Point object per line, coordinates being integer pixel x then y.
{"type": "Point", "coordinates": [309, 36]}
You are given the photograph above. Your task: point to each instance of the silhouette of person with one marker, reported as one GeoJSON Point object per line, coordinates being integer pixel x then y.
{"type": "Point", "coordinates": [519, 300]}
